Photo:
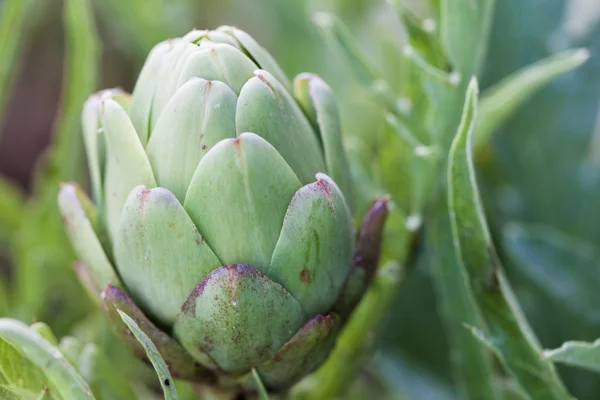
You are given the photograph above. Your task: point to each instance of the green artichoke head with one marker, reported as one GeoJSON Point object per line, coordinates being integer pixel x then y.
{"type": "Point", "coordinates": [222, 197]}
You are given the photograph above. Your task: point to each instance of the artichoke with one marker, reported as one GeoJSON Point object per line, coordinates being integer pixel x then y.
{"type": "Point", "coordinates": [231, 247]}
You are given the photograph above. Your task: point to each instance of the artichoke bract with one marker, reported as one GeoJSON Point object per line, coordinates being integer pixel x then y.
{"type": "Point", "coordinates": [222, 219]}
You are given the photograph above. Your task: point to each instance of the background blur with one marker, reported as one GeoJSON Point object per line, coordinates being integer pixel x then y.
{"type": "Point", "coordinates": [540, 176]}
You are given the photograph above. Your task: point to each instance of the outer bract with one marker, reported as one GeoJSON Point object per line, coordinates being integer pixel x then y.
{"type": "Point", "coordinates": [223, 222]}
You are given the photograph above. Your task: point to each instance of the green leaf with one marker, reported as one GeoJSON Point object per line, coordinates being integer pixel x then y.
{"type": "Point", "coordinates": [464, 31]}
{"type": "Point", "coordinates": [17, 371]}
{"type": "Point", "coordinates": [164, 376]}
{"type": "Point", "coordinates": [422, 35]}
{"type": "Point", "coordinates": [500, 101]}
{"type": "Point", "coordinates": [472, 365]}
{"type": "Point", "coordinates": [560, 264]}
{"type": "Point", "coordinates": [262, 391]}
{"type": "Point", "coordinates": [340, 37]}
{"type": "Point", "coordinates": [423, 164]}
{"type": "Point", "coordinates": [15, 393]}
{"type": "Point", "coordinates": [59, 372]}
{"type": "Point", "coordinates": [508, 330]}
{"type": "Point", "coordinates": [577, 354]}
{"type": "Point", "coordinates": [44, 331]}
{"type": "Point", "coordinates": [101, 374]}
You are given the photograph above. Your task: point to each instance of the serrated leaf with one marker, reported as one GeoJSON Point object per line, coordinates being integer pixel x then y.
{"type": "Point", "coordinates": [500, 101]}
{"type": "Point", "coordinates": [508, 331]}
{"type": "Point", "coordinates": [577, 354]}
{"type": "Point", "coordinates": [161, 368]}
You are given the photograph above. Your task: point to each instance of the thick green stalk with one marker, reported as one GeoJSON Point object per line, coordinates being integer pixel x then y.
{"type": "Point", "coordinates": [356, 341]}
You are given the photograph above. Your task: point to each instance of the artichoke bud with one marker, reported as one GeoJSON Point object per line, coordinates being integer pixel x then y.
{"type": "Point", "coordinates": [225, 195]}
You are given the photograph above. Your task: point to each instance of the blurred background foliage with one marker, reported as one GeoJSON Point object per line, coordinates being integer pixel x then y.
{"type": "Point", "coordinates": [539, 174]}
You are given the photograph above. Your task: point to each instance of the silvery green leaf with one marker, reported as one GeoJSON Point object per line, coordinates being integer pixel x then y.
{"type": "Point", "coordinates": [161, 368]}
{"type": "Point", "coordinates": [262, 391]}
{"type": "Point", "coordinates": [576, 354]}
{"type": "Point", "coordinates": [563, 266]}
{"type": "Point", "coordinates": [339, 35]}
{"type": "Point", "coordinates": [500, 101]}
{"type": "Point", "coordinates": [464, 29]}
{"type": "Point", "coordinates": [508, 332]}
{"type": "Point", "coordinates": [18, 372]}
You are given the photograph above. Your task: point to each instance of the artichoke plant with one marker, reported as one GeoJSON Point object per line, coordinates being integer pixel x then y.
{"type": "Point", "coordinates": [222, 220]}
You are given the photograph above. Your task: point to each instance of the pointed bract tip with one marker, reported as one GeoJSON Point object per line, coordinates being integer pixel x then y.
{"type": "Point", "coordinates": [583, 54]}
{"type": "Point", "coordinates": [306, 76]}
{"type": "Point", "coordinates": [474, 84]}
